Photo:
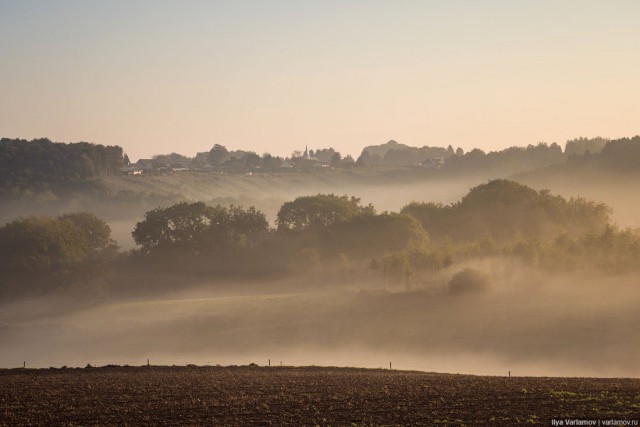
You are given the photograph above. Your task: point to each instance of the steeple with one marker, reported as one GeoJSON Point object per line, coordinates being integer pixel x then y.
{"type": "Point", "coordinates": [306, 153]}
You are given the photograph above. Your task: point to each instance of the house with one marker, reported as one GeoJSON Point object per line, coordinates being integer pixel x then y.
{"type": "Point", "coordinates": [433, 163]}
{"type": "Point", "coordinates": [145, 164]}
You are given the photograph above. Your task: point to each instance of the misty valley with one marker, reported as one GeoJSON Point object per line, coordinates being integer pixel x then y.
{"type": "Point", "coordinates": [319, 213]}
{"type": "Point", "coordinates": [463, 262]}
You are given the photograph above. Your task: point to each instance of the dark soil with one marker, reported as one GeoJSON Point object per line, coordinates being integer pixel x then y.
{"type": "Point", "coordinates": [310, 396]}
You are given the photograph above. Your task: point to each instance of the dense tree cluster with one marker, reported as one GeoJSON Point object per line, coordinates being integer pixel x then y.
{"type": "Point", "coordinates": [39, 250]}
{"type": "Point", "coordinates": [504, 210]}
{"type": "Point", "coordinates": [27, 165]}
{"type": "Point", "coordinates": [319, 212]}
{"type": "Point", "coordinates": [395, 154]}
{"type": "Point", "coordinates": [325, 236]}
{"type": "Point", "coordinates": [325, 232]}
{"type": "Point", "coordinates": [622, 154]}
{"type": "Point", "coordinates": [507, 161]}
{"type": "Point", "coordinates": [581, 146]}
{"type": "Point", "coordinates": [599, 155]}
{"type": "Point", "coordinates": [40, 243]}
{"type": "Point", "coordinates": [219, 158]}
{"type": "Point", "coordinates": [370, 236]}
{"type": "Point", "coordinates": [329, 230]}
{"type": "Point", "coordinates": [200, 229]}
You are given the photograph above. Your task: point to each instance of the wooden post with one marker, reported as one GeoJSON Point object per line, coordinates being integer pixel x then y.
{"type": "Point", "coordinates": [148, 363]}
{"type": "Point", "coordinates": [24, 364]}
{"type": "Point", "coordinates": [389, 365]}
{"type": "Point", "coordinates": [509, 374]}
{"type": "Point", "coordinates": [269, 362]}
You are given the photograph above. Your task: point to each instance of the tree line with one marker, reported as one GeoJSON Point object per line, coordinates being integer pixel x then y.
{"type": "Point", "coordinates": [321, 238]}
{"type": "Point", "coordinates": [447, 160]}
{"type": "Point", "coordinates": [40, 164]}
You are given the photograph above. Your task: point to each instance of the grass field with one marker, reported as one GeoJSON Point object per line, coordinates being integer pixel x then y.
{"type": "Point", "coordinates": [252, 395]}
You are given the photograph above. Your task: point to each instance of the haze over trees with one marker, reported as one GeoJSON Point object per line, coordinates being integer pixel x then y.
{"type": "Point", "coordinates": [41, 254]}
{"type": "Point", "coordinates": [325, 236]}
{"type": "Point", "coordinates": [503, 210]}
{"type": "Point", "coordinates": [337, 237]}
{"type": "Point", "coordinates": [320, 265]}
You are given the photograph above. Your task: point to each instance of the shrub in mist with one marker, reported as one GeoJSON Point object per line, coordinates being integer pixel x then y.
{"type": "Point", "coordinates": [468, 281]}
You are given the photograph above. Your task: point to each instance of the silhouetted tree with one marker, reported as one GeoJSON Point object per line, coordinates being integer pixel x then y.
{"type": "Point", "coordinates": [319, 212]}
{"type": "Point", "coordinates": [364, 159]}
{"type": "Point", "coordinates": [218, 155]}
{"type": "Point", "coordinates": [335, 159]}
{"type": "Point", "coordinates": [197, 228]}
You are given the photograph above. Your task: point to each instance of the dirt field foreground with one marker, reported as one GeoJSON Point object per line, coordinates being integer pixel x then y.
{"type": "Point", "coordinates": [252, 395]}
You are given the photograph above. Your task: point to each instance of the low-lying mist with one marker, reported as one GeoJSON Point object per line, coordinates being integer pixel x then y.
{"type": "Point", "coordinates": [528, 320]}
{"type": "Point", "coordinates": [525, 322]}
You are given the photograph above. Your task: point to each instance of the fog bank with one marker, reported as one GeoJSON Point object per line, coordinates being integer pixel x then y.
{"type": "Point", "coordinates": [526, 323]}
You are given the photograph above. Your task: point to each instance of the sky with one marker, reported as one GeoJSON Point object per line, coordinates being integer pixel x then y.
{"type": "Point", "coordinates": [157, 76]}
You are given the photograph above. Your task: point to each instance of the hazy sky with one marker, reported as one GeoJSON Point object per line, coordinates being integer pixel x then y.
{"type": "Point", "coordinates": [157, 76]}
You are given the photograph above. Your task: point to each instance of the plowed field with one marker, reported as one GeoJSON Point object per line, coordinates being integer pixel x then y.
{"type": "Point", "coordinates": [302, 396]}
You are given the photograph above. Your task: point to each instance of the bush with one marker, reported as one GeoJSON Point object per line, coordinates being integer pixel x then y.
{"type": "Point", "coordinates": [469, 280]}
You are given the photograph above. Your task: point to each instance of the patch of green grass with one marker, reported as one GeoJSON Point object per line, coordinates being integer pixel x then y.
{"type": "Point", "coordinates": [562, 394]}
{"type": "Point", "coordinates": [533, 419]}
